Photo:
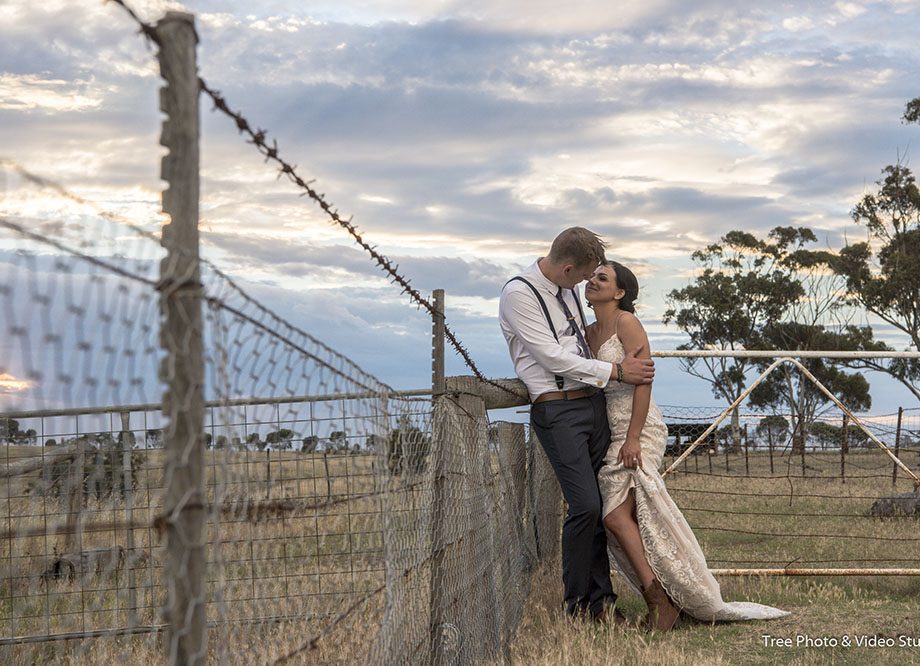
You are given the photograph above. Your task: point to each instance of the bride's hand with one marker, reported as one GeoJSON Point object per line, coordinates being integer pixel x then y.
{"type": "Point", "coordinates": [630, 455]}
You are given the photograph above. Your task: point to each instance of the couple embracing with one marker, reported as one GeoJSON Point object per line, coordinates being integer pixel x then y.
{"type": "Point", "coordinates": [592, 411]}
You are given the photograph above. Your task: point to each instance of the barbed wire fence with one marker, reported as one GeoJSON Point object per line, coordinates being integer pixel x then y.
{"type": "Point", "coordinates": [278, 528]}
{"type": "Point", "coordinates": [193, 528]}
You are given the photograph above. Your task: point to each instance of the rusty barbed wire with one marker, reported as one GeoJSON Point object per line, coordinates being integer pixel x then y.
{"type": "Point", "coordinates": [258, 138]}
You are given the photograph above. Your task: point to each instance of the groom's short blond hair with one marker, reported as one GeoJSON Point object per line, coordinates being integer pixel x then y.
{"type": "Point", "coordinates": [577, 246]}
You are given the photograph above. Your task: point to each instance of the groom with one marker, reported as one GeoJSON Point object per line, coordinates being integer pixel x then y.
{"type": "Point", "coordinates": [550, 354]}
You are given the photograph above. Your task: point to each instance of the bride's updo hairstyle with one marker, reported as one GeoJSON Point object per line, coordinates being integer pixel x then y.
{"type": "Point", "coordinates": [626, 281]}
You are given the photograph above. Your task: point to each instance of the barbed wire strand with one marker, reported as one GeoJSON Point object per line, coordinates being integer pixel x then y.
{"type": "Point", "coordinates": [258, 138]}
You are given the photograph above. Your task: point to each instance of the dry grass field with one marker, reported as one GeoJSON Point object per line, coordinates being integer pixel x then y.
{"type": "Point", "coordinates": [301, 538]}
{"type": "Point", "coordinates": [822, 607]}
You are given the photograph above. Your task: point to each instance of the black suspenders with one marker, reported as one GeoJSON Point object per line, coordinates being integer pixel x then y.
{"type": "Point", "coordinates": [559, 380]}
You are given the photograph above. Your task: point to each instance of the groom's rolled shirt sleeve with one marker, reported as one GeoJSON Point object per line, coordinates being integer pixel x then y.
{"type": "Point", "coordinates": [524, 317]}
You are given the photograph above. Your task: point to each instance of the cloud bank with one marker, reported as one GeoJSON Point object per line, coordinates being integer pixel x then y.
{"type": "Point", "coordinates": [463, 135]}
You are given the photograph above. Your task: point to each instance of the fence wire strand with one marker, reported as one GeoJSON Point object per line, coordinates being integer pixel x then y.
{"type": "Point", "coordinates": [271, 152]}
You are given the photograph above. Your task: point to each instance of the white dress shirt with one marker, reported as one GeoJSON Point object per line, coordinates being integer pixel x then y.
{"type": "Point", "coordinates": [536, 355]}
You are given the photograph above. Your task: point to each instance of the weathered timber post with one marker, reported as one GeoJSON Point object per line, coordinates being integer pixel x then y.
{"type": "Point", "coordinates": [546, 503]}
{"type": "Point", "coordinates": [268, 473]}
{"type": "Point", "coordinates": [804, 442]}
{"type": "Point", "coordinates": [469, 470]}
{"type": "Point", "coordinates": [438, 382]}
{"type": "Point", "coordinates": [73, 539]}
{"type": "Point", "coordinates": [514, 460]}
{"type": "Point", "coordinates": [511, 508]}
{"type": "Point", "coordinates": [443, 436]}
{"type": "Point", "coordinates": [897, 447]}
{"type": "Point", "coordinates": [128, 486]}
{"type": "Point", "coordinates": [770, 445]}
{"type": "Point", "coordinates": [747, 466]}
{"type": "Point", "coordinates": [844, 448]}
{"type": "Point", "coordinates": [181, 337]}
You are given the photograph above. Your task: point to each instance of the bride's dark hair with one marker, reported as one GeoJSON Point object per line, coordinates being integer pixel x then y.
{"type": "Point", "coordinates": [626, 281]}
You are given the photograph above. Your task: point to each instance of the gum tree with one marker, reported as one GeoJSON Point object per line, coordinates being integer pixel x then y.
{"type": "Point", "coordinates": [882, 273]}
{"type": "Point", "coordinates": [743, 283]}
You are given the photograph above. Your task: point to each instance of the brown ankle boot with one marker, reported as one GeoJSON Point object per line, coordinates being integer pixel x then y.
{"type": "Point", "coordinates": [662, 614]}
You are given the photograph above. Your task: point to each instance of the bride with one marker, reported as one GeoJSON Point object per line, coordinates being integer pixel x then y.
{"type": "Point", "coordinates": [649, 542]}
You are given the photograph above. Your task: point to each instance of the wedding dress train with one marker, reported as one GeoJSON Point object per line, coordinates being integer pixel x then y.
{"type": "Point", "coordinates": [670, 545]}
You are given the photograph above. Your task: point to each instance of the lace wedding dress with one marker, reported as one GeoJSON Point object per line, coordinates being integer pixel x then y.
{"type": "Point", "coordinates": [670, 546]}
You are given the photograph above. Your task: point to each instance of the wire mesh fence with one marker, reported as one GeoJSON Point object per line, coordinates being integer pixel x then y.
{"type": "Point", "coordinates": [763, 500]}
{"type": "Point", "coordinates": [81, 319]}
{"type": "Point", "coordinates": [280, 524]}
{"type": "Point", "coordinates": [318, 497]}
{"type": "Point", "coordinates": [322, 521]}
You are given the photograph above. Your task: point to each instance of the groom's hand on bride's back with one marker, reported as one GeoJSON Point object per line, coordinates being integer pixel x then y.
{"type": "Point", "coordinates": [636, 370]}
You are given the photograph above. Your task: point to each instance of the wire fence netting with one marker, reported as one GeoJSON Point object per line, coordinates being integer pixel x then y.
{"type": "Point", "coordinates": [341, 521]}
{"type": "Point", "coordinates": [80, 489]}
{"type": "Point", "coordinates": [760, 495]}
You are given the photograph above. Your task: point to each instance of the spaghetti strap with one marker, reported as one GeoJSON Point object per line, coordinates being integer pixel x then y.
{"type": "Point", "coordinates": [616, 323]}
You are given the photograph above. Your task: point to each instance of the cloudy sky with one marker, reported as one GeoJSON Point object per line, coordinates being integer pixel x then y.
{"type": "Point", "coordinates": [463, 135]}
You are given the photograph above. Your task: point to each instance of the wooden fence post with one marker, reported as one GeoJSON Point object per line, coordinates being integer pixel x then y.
{"type": "Point", "coordinates": [460, 543]}
{"type": "Point", "coordinates": [747, 465]}
{"type": "Point", "coordinates": [897, 447]}
{"type": "Point", "coordinates": [128, 486]}
{"type": "Point", "coordinates": [513, 460]}
{"type": "Point", "coordinates": [181, 337]}
{"type": "Point", "coordinates": [804, 443]}
{"type": "Point", "coordinates": [546, 503]}
{"type": "Point", "coordinates": [844, 448]}
{"type": "Point", "coordinates": [442, 437]}
{"type": "Point", "coordinates": [73, 539]}
{"type": "Point", "coordinates": [770, 445]}
{"type": "Point", "coordinates": [437, 344]}
{"type": "Point", "coordinates": [268, 473]}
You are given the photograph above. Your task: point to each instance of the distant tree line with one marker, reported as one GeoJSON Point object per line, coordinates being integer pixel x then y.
{"type": "Point", "coordinates": [780, 292]}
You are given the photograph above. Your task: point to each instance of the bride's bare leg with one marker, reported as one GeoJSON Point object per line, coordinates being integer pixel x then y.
{"type": "Point", "coordinates": [662, 613]}
{"type": "Point", "coordinates": [622, 522]}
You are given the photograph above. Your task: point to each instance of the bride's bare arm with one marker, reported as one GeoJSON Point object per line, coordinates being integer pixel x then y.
{"type": "Point", "coordinates": [632, 335]}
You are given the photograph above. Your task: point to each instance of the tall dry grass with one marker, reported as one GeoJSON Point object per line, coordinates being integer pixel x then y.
{"type": "Point", "coordinates": [300, 539]}
{"type": "Point", "coordinates": [834, 607]}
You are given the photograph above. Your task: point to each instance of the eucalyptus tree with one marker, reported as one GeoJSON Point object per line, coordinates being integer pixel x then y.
{"type": "Point", "coordinates": [790, 391]}
{"type": "Point", "coordinates": [821, 320]}
{"type": "Point", "coordinates": [774, 293]}
{"type": "Point", "coordinates": [743, 283]}
{"type": "Point", "coordinates": [882, 273]}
